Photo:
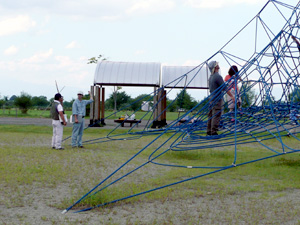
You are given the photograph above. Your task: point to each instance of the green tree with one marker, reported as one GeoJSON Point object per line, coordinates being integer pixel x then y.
{"type": "Point", "coordinates": [171, 105]}
{"type": "Point", "coordinates": [116, 89]}
{"type": "Point", "coordinates": [185, 101]}
{"type": "Point", "coordinates": [203, 102]}
{"type": "Point", "coordinates": [24, 102]}
{"type": "Point", "coordinates": [40, 101]}
{"type": "Point", "coordinates": [69, 104]}
{"type": "Point", "coordinates": [247, 96]}
{"type": "Point", "coordinates": [122, 99]}
{"type": "Point", "coordinates": [137, 102]}
{"type": "Point", "coordinates": [9, 102]}
{"type": "Point", "coordinates": [2, 102]}
{"type": "Point", "coordinates": [295, 95]}
{"type": "Point", "coordinates": [96, 59]}
{"type": "Point", "coordinates": [12, 98]}
{"type": "Point", "coordinates": [268, 101]}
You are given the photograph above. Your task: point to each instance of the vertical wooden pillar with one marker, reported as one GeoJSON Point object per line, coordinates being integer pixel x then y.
{"type": "Point", "coordinates": [92, 107]}
{"type": "Point", "coordinates": [154, 124]}
{"type": "Point", "coordinates": [160, 103]}
{"type": "Point", "coordinates": [165, 107]}
{"type": "Point", "coordinates": [99, 103]}
{"type": "Point", "coordinates": [96, 100]}
{"type": "Point", "coordinates": [154, 104]}
{"type": "Point", "coordinates": [98, 106]}
{"type": "Point", "coordinates": [102, 106]}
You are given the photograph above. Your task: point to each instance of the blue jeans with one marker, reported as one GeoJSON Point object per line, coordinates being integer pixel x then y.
{"type": "Point", "coordinates": [77, 133]}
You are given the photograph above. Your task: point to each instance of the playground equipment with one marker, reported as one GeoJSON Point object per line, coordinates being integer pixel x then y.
{"type": "Point", "coordinates": [270, 71]}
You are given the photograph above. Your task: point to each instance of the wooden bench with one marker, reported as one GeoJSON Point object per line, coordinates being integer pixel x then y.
{"type": "Point", "coordinates": [185, 121]}
{"type": "Point", "coordinates": [128, 121]}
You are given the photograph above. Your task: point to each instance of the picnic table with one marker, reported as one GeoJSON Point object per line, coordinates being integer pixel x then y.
{"type": "Point", "coordinates": [127, 121]}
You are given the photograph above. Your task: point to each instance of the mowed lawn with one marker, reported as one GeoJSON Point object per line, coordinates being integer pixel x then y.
{"type": "Point", "coordinates": [37, 183]}
{"type": "Point", "coordinates": [109, 114]}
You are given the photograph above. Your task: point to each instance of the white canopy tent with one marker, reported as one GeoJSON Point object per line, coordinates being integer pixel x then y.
{"type": "Point", "coordinates": [185, 76]}
{"type": "Point", "coordinates": [141, 74]}
{"type": "Point", "coordinates": [127, 74]}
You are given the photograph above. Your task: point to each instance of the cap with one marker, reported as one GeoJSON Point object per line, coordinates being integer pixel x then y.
{"type": "Point", "coordinates": [57, 96]}
{"type": "Point", "coordinates": [80, 93]}
{"type": "Point", "coordinates": [212, 65]}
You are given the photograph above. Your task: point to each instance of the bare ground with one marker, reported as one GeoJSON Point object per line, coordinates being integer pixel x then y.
{"type": "Point", "coordinates": [250, 208]}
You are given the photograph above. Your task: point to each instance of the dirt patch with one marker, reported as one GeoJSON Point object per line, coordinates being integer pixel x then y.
{"type": "Point", "coordinates": [251, 208]}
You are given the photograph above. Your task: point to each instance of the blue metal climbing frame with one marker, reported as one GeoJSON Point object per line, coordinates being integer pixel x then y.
{"type": "Point", "coordinates": [270, 73]}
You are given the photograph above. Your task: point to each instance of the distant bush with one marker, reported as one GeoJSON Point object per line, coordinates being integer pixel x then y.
{"type": "Point", "coordinates": [2, 102]}
{"type": "Point", "coordinates": [24, 102]}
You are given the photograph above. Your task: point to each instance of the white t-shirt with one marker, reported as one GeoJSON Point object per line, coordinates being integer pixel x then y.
{"type": "Point", "coordinates": [59, 107]}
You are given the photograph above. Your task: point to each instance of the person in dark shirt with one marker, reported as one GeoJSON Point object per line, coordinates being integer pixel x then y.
{"type": "Point", "coordinates": [58, 121]}
{"type": "Point", "coordinates": [215, 81]}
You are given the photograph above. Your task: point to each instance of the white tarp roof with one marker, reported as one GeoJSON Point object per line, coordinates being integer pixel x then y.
{"type": "Point", "coordinates": [127, 73]}
{"type": "Point", "coordinates": [149, 74]}
{"type": "Point", "coordinates": [181, 76]}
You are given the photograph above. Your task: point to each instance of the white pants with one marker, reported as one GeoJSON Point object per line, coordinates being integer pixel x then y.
{"type": "Point", "coordinates": [58, 130]}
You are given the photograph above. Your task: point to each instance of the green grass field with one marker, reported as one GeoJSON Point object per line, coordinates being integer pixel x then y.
{"type": "Point", "coordinates": [29, 168]}
{"type": "Point", "coordinates": [46, 114]}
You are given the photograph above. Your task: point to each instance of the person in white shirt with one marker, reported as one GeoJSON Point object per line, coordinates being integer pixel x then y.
{"type": "Point", "coordinates": [58, 121]}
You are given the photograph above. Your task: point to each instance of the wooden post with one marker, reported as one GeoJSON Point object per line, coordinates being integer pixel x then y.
{"type": "Point", "coordinates": [154, 104]}
{"type": "Point", "coordinates": [159, 101]}
{"type": "Point", "coordinates": [165, 106]}
{"type": "Point", "coordinates": [92, 107]}
{"type": "Point", "coordinates": [96, 100]}
{"type": "Point", "coordinates": [154, 124]}
{"type": "Point", "coordinates": [99, 103]}
{"type": "Point", "coordinates": [162, 105]}
{"type": "Point", "coordinates": [159, 105]}
{"type": "Point", "coordinates": [102, 106]}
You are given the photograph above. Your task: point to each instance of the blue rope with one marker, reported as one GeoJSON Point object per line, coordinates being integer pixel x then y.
{"type": "Point", "coordinates": [182, 181]}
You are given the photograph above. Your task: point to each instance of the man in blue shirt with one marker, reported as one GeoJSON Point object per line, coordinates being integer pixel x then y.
{"type": "Point", "coordinates": [78, 111]}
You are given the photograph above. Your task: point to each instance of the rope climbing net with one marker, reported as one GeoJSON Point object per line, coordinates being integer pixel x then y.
{"type": "Point", "coordinates": [268, 82]}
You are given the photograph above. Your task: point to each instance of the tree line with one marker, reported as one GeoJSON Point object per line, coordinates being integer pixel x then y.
{"type": "Point", "coordinates": [25, 102]}
{"type": "Point", "coordinates": [117, 100]}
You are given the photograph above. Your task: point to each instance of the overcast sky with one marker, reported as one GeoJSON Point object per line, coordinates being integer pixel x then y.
{"type": "Point", "coordinates": [43, 41]}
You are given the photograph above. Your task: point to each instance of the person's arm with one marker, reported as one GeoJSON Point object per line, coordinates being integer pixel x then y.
{"type": "Point", "coordinates": [75, 112]}
{"type": "Point", "coordinates": [75, 118]}
{"type": "Point", "coordinates": [89, 101]}
{"type": "Point", "coordinates": [91, 98]}
{"type": "Point", "coordinates": [229, 92]}
{"type": "Point", "coordinates": [231, 95]}
{"type": "Point", "coordinates": [61, 114]}
{"type": "Point", "coordinates": [297, 42]}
